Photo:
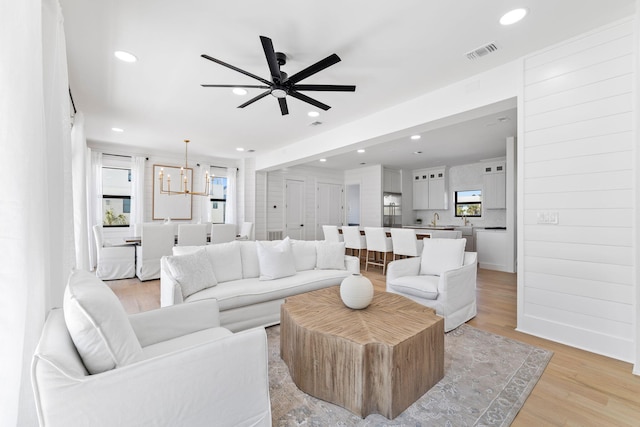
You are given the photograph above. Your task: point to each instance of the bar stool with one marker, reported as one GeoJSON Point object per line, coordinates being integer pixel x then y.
{"type": "Point", "coordinates": [353, 239]}
{"type": "Point", "coordinates": [377, 241]}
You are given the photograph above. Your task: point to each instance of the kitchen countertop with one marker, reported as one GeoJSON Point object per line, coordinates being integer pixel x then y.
{"type": "Point", "coordinates": [430, 227]}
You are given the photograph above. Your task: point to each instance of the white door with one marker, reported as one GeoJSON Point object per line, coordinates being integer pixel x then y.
{"type": "Point", "coordinates": [294, 212]}
{"type": "Point", "coordinates": [329, 209]}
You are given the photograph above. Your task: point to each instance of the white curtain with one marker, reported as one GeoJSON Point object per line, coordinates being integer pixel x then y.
{"type": "Point", "coordinates": [79, 181]}
{"type": "Point", "coordinates": [137, 192]}
{"type": "Point", "coordinates": [36, 214]}
{"type": "Point", "coordinates": [95, 201]}
{"type": "Point", "coordinates": [230, 211]}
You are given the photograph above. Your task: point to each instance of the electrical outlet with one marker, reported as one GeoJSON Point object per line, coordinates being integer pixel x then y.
{"type": "Point", "coordinates": [548, 218]}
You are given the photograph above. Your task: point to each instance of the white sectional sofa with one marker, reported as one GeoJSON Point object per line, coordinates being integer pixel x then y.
{"type": "Point", "coordinates": [251, 279]}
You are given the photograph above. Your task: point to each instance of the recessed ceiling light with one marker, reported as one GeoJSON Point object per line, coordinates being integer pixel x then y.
{"type": "Point", "coordinates": [323, 160]}
{"type": "Point", "coordinates": [117, 129]}
{"type": "Point", "coordinates": [361, 150]}
{"type": "Point", "coordinates": [125, 56]}
{"type": "Point", "coordinates": [513, 16]}
{"type": "Point", "coordinates": [414, 137]}
{"type": "Point", "coordinates": [239, 149]}
{"type": "Point", "coordinates": [313, 114]}
{"type": "Point", "coordinates": [239, 91]}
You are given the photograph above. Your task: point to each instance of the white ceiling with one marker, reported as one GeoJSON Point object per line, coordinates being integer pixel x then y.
{"type": "Point", "coordinates": [392, 52]}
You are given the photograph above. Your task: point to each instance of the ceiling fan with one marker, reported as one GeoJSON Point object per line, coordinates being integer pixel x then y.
{"type": "Point", "coordinates": [281, 84]}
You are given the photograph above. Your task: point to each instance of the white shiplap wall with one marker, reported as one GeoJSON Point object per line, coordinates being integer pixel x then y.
{"type": "Point", "coordinates": [274, 210]}
{"type": "Point", "coordinates": [576, 282]}
{"type": "Point", "coordinates": [370, 180]}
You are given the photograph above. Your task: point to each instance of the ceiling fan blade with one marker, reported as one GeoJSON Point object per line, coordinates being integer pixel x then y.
{"type": "Point", "coordinates": [246, 73]}
{"type": "Point", "coordinates": [283, 106]}
{"type": "Point", "coordinates": [326, 88]}
{"type": "Point", "coordinates": [312, 69]}
{"type": "Point", "coordinates": [252, 100]}
{"type": "Point", "coordinates": [270, 54]}
{"type": "Point", "coordinates": [245, 86]}
{"type": "Point", "coordinates": [309, 100]}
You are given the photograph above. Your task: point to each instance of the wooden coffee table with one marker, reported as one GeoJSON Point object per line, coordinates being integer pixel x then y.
{"type": "Point", "coordinates": [377, 360]}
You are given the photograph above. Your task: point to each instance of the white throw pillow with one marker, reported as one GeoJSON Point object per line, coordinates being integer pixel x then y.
{"type": "Point", "coordinates": [275, 261]}
{"type": "Point", "coordinates": [98, 324]}
{"type": "Point", "coordinates": [330, 255]}
{"type": "Point", "coordinates": [304, 254]}
{"type": "Point", "coordinates": [440, 255]}
{"type": "Point", "coordinates": [193, 272]}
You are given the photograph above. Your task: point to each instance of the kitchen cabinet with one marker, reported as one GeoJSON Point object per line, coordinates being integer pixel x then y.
{"type": "Point", "coordinates": [467, 233]}
{"type": "Point", "coordinates": [420, 190]}
{"type": "Point", "coordinates": [494, 194]}
{"type": "Point", "coordinates": [429, 189]}
{"type": "Point", "coordinates": [491, 246]}
{"type": "Point", "coordinates": [391, 181]}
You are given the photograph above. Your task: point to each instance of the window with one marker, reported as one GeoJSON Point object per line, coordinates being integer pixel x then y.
{"type": "Point", "coordinates": [469, 203]}
{"type": "Point", "coordinates": [218, 199]}
{"type": "Point", "coordinates": [116, 196]}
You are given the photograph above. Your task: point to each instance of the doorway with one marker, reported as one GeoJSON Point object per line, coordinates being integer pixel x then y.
{"type": "Point", "coordinates": [353, 204]}
{"type": "Point", "coordinates": [294, 211]}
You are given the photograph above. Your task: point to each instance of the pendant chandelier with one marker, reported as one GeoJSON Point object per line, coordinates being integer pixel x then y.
{"type": "Point", "coordinates": [184, 181]}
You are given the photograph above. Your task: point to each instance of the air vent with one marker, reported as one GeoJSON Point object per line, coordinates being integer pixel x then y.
{"type": "Point", "coordinates": [482, 51]}
{"type": "Point", "coordinates": [316, 123]}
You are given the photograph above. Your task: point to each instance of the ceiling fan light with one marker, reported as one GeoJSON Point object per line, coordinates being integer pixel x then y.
{"type": "Point", "coordinates": [239, 91]}
{"type": "Point", "coordinates": [125, 56]}
{"type": "Point", "coordinates": [513, 16]}
{"type": "Point", "coordinates": [279, 93]}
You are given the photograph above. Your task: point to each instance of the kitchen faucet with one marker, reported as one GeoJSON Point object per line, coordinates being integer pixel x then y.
{"type": "Point", "coordinates": [435, 216]}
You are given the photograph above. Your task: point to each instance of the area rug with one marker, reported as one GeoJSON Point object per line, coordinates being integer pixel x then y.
{"type": "Point", "coordinates": [487, 380]}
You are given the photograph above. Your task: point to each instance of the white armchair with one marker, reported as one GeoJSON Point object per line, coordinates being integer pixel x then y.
{"type": "Point", "coordinates": [443, 278]}
{"type": "Point", "coordinates": [185, 369]}
{"type": "Point", "coordinates": [113, 262]}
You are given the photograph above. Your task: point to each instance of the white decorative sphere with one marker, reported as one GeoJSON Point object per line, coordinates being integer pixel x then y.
{"type": "Point", "coordinates": [356, 291]}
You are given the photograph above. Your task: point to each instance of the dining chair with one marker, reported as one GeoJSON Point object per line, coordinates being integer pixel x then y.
{"type": "Point", "coordinates": [157, 240]}
{"type": "Point", "coordinates": [113, 261]}
{"type": "Point", "coordinates": [353, 239]}
{"type": "Point", "coordinates": [192, 234]}
{"type": "Point", "coordinates": [331, 234]}
{"type": "Point", "coordinates": [246, 231]}
{"type": "Point", "coordinates": [222, 233]}
{"type": "Point", "coordinates": [405, 242]}
{"type": "Point", "coordinates": [377, 242]}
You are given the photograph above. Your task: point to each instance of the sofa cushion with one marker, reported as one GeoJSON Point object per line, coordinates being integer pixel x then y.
{"type": "Point", "coordinates": [420, 286]}
{"type": "Point", "coordinates": [440, 255]}
{"type": "Point", "coordinates": [247, 292]}
{"type": "Point", "coordinates": [304, 254]}
{"type": "Point", "coordinates": [275, 261]}
{"type": "Point", "coordinates": [98, 324]}
{"type": "Point", "coordinates": [249, 255]}
{"type": "Point", "coordinates": [226, 261]}
{"type": "Point", "coordinates": [330, 255]}
{"type": "Point", "coordinates": [192, 271]}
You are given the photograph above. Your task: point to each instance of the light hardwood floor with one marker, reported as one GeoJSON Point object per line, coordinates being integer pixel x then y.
{"type": "Point", "coordinates": [578, 388]}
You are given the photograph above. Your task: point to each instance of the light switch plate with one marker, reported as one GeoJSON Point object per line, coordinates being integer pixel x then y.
{"type": "Point", "coordinates": [548, 218]}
